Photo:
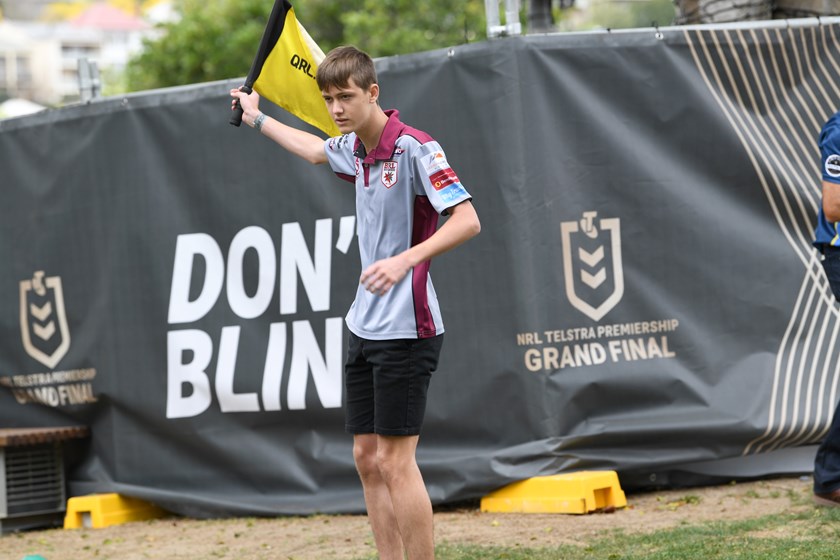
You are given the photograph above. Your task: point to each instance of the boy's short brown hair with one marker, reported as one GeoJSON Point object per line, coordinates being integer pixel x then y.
{"type": "Point", "coordinates": [343, 63]}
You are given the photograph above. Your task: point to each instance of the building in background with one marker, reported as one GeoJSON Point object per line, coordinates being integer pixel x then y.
{"type": "Point", "coordinates": [39, 59]}
{"type": "Point", "coordinates": [17, 54]}
{"type": "Point", "coordinates": [24, 10]}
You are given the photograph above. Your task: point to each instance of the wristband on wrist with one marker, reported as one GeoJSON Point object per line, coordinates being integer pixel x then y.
{"type": "Point", "coordinates": [258, 122]}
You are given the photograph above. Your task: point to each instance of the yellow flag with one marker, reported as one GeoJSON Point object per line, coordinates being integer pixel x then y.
{"type": "Point", "coordinates": [284, 69]}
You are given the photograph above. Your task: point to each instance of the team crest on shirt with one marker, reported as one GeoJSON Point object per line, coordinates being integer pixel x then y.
{"type": "Point", "coordinates": [389, 174]}
{"type": "Point", "coordinates": [832, 165]}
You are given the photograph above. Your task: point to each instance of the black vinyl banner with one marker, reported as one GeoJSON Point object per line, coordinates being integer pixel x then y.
{"type": "Point", "coordinates": [643, 296]}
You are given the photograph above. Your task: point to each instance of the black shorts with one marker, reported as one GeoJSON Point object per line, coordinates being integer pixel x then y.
{"type": "Point", "coordinates": [386, 383]}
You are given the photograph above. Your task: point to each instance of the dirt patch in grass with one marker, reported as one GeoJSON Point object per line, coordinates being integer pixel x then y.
{"type": "Point", "coordinates": [346, 537]}
{"type": "Point", "coordinates": [796, 530]}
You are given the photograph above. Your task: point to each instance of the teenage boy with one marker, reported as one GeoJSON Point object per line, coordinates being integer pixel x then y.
{"type": "Point", "coordinates": [403, 183]}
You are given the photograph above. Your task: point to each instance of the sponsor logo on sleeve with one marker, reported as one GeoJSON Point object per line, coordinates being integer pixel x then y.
{"type": "Point", "coordinates": [832, 165]}
{"type": "Point", "coordinates": [453, 192]}
{"type": "Point", "coordinates": [337, 143]}
{"type": "Point", "coordinates": [443, 178]}
{"type": "Point", "coordinates": [435, 161]}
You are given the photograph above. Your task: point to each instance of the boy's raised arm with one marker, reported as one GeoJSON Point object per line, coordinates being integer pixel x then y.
{"type": "Point", "coordinates": [302, 144]}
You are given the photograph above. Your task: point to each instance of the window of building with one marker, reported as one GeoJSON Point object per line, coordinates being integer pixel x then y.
{"type": "Point", "coordinates": [24, 72]}
{"type": "Point", "coordinates": [79, 51]}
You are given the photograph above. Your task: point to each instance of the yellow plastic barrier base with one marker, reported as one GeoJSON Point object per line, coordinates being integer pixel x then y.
{"type": "Point", "coordinates": [103, 510]}
{"type": "Point", "coordinates": [580, 492]}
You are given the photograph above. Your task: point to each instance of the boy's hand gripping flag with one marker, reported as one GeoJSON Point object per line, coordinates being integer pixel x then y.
{"type": "Point", "coordinates": [284, 70]}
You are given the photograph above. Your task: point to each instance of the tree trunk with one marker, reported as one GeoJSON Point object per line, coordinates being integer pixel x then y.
{"type": "Point", "coordinates": [540, 19]}
{"type": "Point", "coordinates": [721, 11]}
{"type": "Point", "coordinates": [805, 8]}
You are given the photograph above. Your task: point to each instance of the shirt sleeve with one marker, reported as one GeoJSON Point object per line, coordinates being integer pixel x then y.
{"type": "Point", "coordinates": [437, 179]}
{"type": "Point", "coordinates": [830, 151]}
{"type": "Point", "coordinates": [340, 156]}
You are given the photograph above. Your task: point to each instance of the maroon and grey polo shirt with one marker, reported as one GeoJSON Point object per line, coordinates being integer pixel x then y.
{"type": "Point", "coordinates": [401, 188]}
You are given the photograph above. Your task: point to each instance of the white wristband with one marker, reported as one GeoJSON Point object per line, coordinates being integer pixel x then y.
{"type": "Point", "coordinates": [258, 122]}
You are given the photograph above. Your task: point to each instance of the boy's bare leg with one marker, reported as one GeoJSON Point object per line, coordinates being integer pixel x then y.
{"type": "Point", "coordinates": [409, 497]}
{"type": "Point", "coordinates": [380, 509]}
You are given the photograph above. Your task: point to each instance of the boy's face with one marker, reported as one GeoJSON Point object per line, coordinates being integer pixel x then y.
{"type": "Point", "coordinates": [350, 106]}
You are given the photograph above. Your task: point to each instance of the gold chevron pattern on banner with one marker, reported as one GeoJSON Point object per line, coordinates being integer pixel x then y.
{"type": "Point", "coordinates": [776, 86]}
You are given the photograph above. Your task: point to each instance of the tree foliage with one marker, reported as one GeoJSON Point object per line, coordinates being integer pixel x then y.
{"type": "Point", "coordinates": [640, 13]}
{"type": "Point", "coordinates": [213, 40]}
{"type": "Point", "coordinates": [616, 14]}
{"type": "Point", "coordinates": [217, 39]}
{"type": "Point", "coordinates": [323, 19]}
{"type": "Point", "coordinates": [388, 27]}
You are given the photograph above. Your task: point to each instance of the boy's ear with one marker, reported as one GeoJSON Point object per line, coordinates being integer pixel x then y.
{"type": "Point", "coordinates": [374, 92]}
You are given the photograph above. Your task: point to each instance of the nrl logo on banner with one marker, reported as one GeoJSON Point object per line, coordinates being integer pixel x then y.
{"type": "Point", "coordinates": [43, 321]}
{"type": "Point", "coordinates": [586, 268]}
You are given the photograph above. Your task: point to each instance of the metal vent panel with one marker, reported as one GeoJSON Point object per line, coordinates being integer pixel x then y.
{"type": "Point", "coordinates": [34, 480]}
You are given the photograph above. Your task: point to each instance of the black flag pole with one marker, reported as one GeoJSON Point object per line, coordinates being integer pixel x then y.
{"type": "Point", "coordinates": [236, 116]}
{"type": "Point", "coordinates": [272, 31]}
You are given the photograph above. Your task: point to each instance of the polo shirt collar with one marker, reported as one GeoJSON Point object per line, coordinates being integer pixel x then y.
{"type": "Point", "coordinates": [384, 150]}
